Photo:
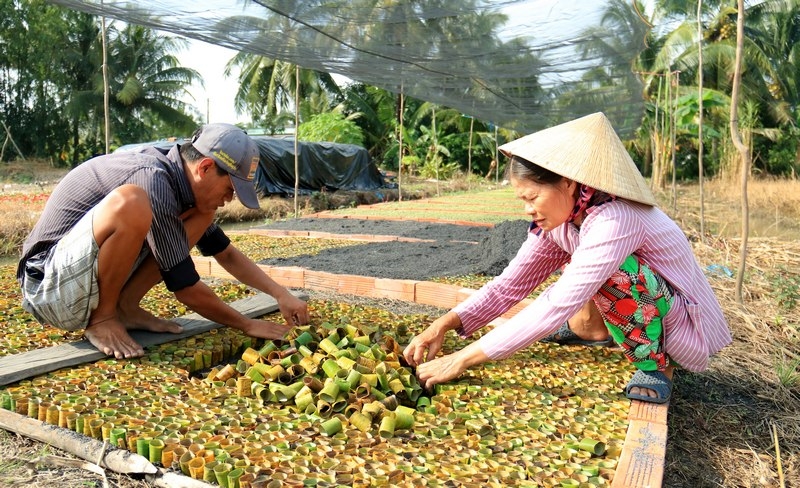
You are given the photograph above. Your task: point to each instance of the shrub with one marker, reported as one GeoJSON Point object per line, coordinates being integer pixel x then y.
{"type": "Point", "coordinates": [330, 127]}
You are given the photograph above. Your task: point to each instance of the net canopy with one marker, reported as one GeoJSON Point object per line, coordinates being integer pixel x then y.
{"type": "Point", "coordinates": [518, 64]}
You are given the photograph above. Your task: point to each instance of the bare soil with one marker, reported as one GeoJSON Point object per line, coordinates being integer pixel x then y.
{"type": "Point", "coordinates": [450, 250]}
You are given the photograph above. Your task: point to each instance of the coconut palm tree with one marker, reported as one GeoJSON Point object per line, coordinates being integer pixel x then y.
{"type": "Point", "coordinates": [147, 83]}
{"type": "Point", "coordinates": [267, 89]}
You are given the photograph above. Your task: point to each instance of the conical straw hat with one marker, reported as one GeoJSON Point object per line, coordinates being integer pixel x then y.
{"type": "Point", "coordinates": [586, 150]}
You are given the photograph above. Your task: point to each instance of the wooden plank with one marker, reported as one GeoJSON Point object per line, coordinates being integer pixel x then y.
{"type": "Point", "coordinates": [39, 361]}
{"type": "Point", "coordinates": [641, 463]}
{"type": "Point", "coordinates": [518, 307]}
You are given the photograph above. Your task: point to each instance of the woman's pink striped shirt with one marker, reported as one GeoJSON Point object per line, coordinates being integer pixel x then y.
{"type": "Point", "coordinates": [695, 327]}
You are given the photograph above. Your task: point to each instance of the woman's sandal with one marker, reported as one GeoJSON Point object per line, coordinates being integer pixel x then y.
{"type": "Point", "coordinates": [651, 380]}
{"type": "Point", "coordinates": [566, 337]}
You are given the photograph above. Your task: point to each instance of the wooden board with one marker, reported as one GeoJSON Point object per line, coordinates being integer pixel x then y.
{"type": "Point", "coordinates": [641, 463]}
{"type": "Point", "coordinates": [39, 361]}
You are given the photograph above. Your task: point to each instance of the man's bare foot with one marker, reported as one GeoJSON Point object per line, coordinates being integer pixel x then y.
{"type": "Point", "coordinates": [140, 319]}
{"type": "Point", "coordinates": [110, 337]}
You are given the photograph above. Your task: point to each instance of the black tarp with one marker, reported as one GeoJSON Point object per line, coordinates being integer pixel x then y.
{"type": "Point", "coordinates": [322, 166]}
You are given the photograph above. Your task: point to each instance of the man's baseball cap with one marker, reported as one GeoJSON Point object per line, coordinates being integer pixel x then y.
{"type": "Point", "coordinates": [235, 152]}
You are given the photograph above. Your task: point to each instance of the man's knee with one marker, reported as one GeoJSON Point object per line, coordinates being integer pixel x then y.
{"type": "Point", "coordinates": [127, 208]}
{"type": "Point", "coordinates": [130, 202]}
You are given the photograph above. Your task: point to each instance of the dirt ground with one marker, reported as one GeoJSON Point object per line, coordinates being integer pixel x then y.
{"type": "Point", "coordinates": [453, 250]}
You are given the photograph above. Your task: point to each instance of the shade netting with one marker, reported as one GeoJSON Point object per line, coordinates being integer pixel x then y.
{"type": "Point", "coordinates": [518, 64]}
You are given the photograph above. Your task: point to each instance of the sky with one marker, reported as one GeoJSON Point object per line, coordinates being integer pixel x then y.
{"type": "Point", "coordinates": [214, 101]}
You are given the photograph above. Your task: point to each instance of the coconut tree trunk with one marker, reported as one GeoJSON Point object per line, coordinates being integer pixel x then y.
{"type": "Point", "coordinates": [744, 151]}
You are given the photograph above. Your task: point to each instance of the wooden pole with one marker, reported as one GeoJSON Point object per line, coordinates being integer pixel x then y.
{"type": "Point", "coordinates": [400, 151]}
{"type": "Point", "coordinates": [296, 126]}
{"type": "Point", "coordinates": [9, 138]}
{"type": "Point", "coordinates": [469, 152]}
{"type": "Point", "coordinates": [744, 151]}
{"type": "Point", "coordinates": [117, 460]}
{"type": "Point", "coordinates": [700, 116]}
{"type": "Point", "coordinates": [496, 158]}
{"type": "Point", "coordinates": [435, 149]}
{"type": "Point", "coordinates": [167, 479]}
{"type": "Point", "coordinates": [106, 115]}
{"type": "Point", "coordinates": [674, 128]}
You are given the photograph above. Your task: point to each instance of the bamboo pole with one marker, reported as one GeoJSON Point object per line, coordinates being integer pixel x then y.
{"type": "Point", "coordinates": [496, 158]}
{"type": "Point", "coordinates": [9, 138]}
{"type": "Point", "coordinates": [117, 460]}
{"type": "Point", "coordinates": [435, 149]}
{"type": "Point", "coordinates": [175, 480]}
{"type": "Point", "coordinates": [469, 152]}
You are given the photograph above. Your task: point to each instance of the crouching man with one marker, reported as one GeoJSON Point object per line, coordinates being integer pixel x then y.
{"type": "Point", "coordinates": [118, 224]}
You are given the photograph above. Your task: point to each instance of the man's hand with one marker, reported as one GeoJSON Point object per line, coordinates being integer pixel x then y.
{"type": "Point", "coordinates": [265, 329]}
{"type": "Point", "coordinates": [293, 309]}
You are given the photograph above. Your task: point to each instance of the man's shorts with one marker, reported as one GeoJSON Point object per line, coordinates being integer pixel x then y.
{"type": "Point", "coordinates": [67, 293]}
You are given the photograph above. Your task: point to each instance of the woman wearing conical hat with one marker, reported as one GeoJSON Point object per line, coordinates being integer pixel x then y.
{"type": "Point", "coordinates": [629, 275]}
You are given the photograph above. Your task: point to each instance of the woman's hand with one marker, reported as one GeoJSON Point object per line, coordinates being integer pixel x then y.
{"type": "Point", "coordinates": [427, 345]}
{"type": "Point", "coordinates": [440, 370]}
{"type": "Point", "coordinates": [446, 368]}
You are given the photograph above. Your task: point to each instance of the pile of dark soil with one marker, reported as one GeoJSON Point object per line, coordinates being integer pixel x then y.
{"type": "Point", "coordinates": [454, 249]}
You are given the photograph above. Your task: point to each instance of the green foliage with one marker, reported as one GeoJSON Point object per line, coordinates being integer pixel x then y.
{"type": "Point", "coordinates": [436, 168]}
{"type": "Point", "coordinates": [35, 39]}
{"type": "Point", "coordinates": [788, 372]}
{"type": "Point", "coordinates": [787, 288]}
{"type": "Point", "coordinates": [780, 156]}
{"type": "Point", "coordinates": [411, 163]}
{"type": "Point", "coordinates": [52, 84]}
{"type": "Point", "coordinates": [330, 127]}
{"type": "Point", "coordinates": [269, 89]}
